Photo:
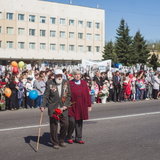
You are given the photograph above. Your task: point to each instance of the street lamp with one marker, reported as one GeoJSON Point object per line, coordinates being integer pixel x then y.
{"type": "Point", "coordinates": [153, 47]}
{"type": "Point", "coordinates": [70, 2]}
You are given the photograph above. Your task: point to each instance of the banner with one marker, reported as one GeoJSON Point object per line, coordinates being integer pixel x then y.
{"type": "Point", "coordinates": [102, 66]}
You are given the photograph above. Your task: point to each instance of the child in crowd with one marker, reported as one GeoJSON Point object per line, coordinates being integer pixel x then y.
{"type": "Point", "coordinates": [29, 87]}
{"type": "Point", "coordinates": [94, 90]}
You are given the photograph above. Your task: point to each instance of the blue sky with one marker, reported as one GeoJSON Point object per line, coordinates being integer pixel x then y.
{"type": "Point", "coordinates": [142, 15]}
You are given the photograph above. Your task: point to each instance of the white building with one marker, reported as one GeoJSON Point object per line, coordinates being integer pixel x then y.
{"type": "Point", "coordinates": [42, 30]}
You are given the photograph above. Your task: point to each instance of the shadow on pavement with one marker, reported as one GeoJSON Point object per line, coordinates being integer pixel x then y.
{"type": "Point", "coordinates": [44, 140]}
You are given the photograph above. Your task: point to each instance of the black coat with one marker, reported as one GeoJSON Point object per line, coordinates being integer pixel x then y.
{"type": "Point", "coordinates": [99, 81]}
{"type": "Point", "coordinates": [53, 100]}
{"type": "Point", "coordinates": [14, 95]}
{"type": "Point", "coordinates": [116, 81]}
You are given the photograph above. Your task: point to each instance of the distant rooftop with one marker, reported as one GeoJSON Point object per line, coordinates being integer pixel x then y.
{"type": "Point", "coordinates": [70, 3]}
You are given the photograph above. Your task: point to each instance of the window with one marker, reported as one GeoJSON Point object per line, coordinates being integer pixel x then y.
{"type": "Point", "coordinates": [9, 16]}
{"type": "Point", "coordinates": [80, 23]}
{"type": "Point", "coordinates": [89, 48]}
{"type": "Point", "coordinates": [62, 34]}
{"type": "Point", "coordinates": [32, 32]}
{"type": "Point", "coordinates": [88, 36]}
{"type": "Point", "coordinates": [71, 34]}
{"type": "Point", "coordinates": [62, 47]}
{"type": "Point", "coordinates": [32, 18]}
{"type": "Point", "coordinates": [53, 47]}
{"type": "Point", "coordinates": [97, 49]}
{"type": "Point", "coordinates": [71, 22]}
{"type": "Point", "coordinates": [21, 45]}
{"type": "Point", "coordinates": [0, 15]}
{"type": "Point", "coordinates": [52, 20]}
{"type": "Point", "coordinates": [71, 47]}
{"type": "Point", "coordinates": [89, 24]}
{"type": "Point", "coordinates": [21, 17]}
{"type": "Point", "coordinates": [80, 48]}
{"type": "Point", "coordinates": [42, 33]}
{"type": "Point", "coordinates": [21, 31]}
{"type": "Point", "coordinates": [9, 44]}
{"type": "Point", "coordinates": [62, 21]}
{"type": "Point", "coordinates": [52, 33]}
{"type": "Point", "coordinates": [0, 44]}
{"type": "Point", "coordinates": [97, 25]}
{"type": "Point", "coordinates": [32, 45]}
{"type": "Point", "coordinates": [42, 46]}
{"type": "Point", "coordinates": [97, 37]}
{"type": "Point", "coordinates": [0, 29]}
{"type": "Point", "coordinates": [80, 35]}
{"type": "Point", "coordinates": [42, 19]}
{"type": "Point", "coordinates": [9, 30]}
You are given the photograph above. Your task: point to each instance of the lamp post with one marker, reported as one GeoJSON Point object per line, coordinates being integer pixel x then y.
{"type": "Point", "coordinates": [70, 2]}
{"type": "Point", "coordinates": [154, 58]}
{"type": "Point", "coordinates": [153, 47]}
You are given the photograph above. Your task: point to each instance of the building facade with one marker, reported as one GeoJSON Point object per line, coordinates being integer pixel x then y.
{"type": "Point", "coordinates": [42, 30]}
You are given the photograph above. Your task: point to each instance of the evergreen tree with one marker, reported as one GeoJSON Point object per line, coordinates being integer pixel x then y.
{"type": "Point", "coordinates": [141, 53]}
{"type": "Point", "coordinates": [123, 45]}
{"type": "Point", "coordinates": [108, 52]}
{"type": "Point", "coordinates": [154, 61]}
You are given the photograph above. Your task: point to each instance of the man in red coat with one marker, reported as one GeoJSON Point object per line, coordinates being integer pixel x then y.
{"type": "Point", "coordinates": [81, 104]}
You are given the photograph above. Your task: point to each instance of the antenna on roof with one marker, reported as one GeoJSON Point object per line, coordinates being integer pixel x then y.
{"type": "Point", "coordinates": [70, 1]}
{"type": "Point", "coordinates": [97, 5]}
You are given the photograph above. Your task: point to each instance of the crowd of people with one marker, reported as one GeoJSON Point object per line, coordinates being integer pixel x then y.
{"type": "Point", "coordinates": [114, 86]}
{"type": "Point", "coordinates": [69, 95]}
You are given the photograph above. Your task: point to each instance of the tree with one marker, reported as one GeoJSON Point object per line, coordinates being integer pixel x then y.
{"type": "Point", "coordinates": [108, 52]}
{"type": "Point", "coordinates": [141, 53]}
{"type": "Point", "coordinates": [123, 45]}
{"type": "Point", "coordinates": [154, 61]}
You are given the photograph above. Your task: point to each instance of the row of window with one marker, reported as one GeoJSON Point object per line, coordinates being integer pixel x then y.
{"type": "Point", "coordinates": [62, 34]}
{"type": "Point", "coordinates": [43, 46]}
{"type": "Point", "coordinates": [52, 20]}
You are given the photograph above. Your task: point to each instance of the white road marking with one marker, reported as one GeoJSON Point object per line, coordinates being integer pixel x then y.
{"type": "Point", "coordinates": [90, 120]}
{"type": "Point", "coordinates": [125, 116]}
{"type": "Point", "coordinates": [24, 127]}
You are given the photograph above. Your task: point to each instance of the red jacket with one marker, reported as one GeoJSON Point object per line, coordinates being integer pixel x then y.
{"type": "Point", "coordinates": [80, 99]}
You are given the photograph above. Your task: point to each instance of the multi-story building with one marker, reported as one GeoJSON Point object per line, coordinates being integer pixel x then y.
{"type": "Point", "coordinates": [42, 30]}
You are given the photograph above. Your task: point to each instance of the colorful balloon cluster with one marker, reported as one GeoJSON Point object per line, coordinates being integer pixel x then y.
{"type": "Point", "coordinates": [15, 66]}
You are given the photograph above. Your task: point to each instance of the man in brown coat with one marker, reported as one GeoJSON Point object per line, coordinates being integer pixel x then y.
{"type": "Point", "coordinates": [57, 96]}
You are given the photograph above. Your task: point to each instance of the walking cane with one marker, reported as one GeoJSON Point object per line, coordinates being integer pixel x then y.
{"type": "Point", "coordinates": [39, 131]}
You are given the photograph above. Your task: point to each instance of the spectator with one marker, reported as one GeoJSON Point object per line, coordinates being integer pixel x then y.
{"type": "Point", "coordinates": [39, 86]}
{"type": "Point", "coordinates": [117, 86]}
{"type": "Point", "coordinates": [14, 96]}
{"type": "Point", "coordinates": [20, 92]}
{"type": "Point", "coordinates": [156, 84]}
{"type": "Point", "coordinates": [29, 87]}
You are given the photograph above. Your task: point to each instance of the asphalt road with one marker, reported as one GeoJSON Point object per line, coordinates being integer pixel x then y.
{"type": "Point", "coordinates": [115, 131]}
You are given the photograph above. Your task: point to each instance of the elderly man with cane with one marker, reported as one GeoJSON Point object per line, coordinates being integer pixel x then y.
{"type": "Point", "coordinates": [57, 99]}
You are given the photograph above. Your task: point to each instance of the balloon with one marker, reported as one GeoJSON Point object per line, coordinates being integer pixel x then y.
{"type": "Point", "coordinates": [7, 92]}
{"type": "Point", "coordinates": [15, 69]}
{"type": "Point", "coordinates": [92, 91]}
{"type": "Point", "coordinates": [33, 94]}
{"type": "Point", "coordinates": [21, 64]}
{"type": "Point", "coordinates": [14, 64]}
{"type": "Point", "coordinates": [118, 65]}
